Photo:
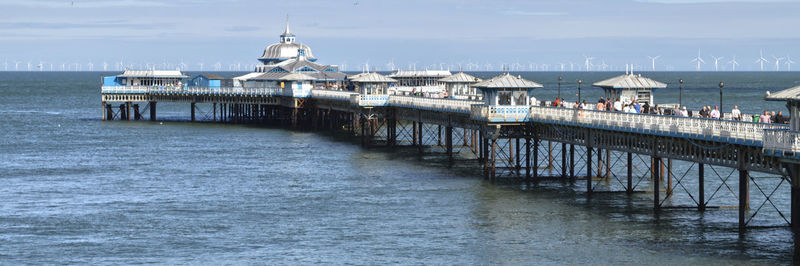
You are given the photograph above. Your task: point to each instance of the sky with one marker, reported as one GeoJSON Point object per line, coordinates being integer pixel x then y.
{"type": "Point", "coordinates": [418, 34]}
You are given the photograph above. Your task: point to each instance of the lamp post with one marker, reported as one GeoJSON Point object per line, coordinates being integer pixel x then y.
{"type": "Point", "coordinates": [720, 100]}
{"type": "Point", "coordinates": [559, 87]}
{"type": "Point", "coordinates": [579, 91]}
{"type": "Point", "coordinates": [680, 94]}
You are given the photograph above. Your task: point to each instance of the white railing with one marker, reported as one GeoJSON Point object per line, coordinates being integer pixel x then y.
{"type": "Point", "coordinates": [645, 123]}
{"type": "Point", "coordinates": [781, 141]}
{"type": "Point", "coordinates": [168, 90]}
{"type": "Point", "coordinates": [369, 100]}
{"type": "Point", "coordinates": [332, 94]}
{"type": "Point", "coordinates": [519, 113]}
{"type": "Point", "coordinates": [432, 104]}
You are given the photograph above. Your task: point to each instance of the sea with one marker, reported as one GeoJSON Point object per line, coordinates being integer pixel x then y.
{"type": "Point", "coordinates": [78, 190]}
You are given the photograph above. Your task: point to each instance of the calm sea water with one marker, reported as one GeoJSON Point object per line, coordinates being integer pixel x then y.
{"type": "Point", "coordinates": [75, 189]}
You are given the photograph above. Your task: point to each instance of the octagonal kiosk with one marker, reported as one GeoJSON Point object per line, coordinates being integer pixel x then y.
{"type": "Point", "coordinates": [630, 87]}
{"type": "Point", "coordinates": [372, 88]}
{"type": "Point", "coordinates": [459, 86]}
{"type": "Point", "coordinates": [506, 98]}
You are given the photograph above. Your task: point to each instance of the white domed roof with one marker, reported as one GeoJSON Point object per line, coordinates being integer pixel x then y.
{"type": "Point", "coordinates": [284, 50]}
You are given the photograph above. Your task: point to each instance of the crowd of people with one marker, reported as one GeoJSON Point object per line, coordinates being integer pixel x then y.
{"type": "Point", "coordinates": [607, 104]}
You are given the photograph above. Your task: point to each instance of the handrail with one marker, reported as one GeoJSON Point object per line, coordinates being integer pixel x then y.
{"type": "Point", "coordinates": [170, 90]}
{"type": "Point", "coordinates": [781, 141]}
{"type": "Point", "coordinates": [660, 124]}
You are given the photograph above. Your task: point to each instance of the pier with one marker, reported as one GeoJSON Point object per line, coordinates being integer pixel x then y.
{"type": "Point", "coordinates": [498, 125]}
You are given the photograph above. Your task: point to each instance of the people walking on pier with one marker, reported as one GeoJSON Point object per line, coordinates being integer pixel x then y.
{"type": "Point", "coordinates": [735, 113]}
{"type": "Point", "coordinates": [618, 105]}
{"type": "Point", "coordinates": [779, 118]}
{"type": "Point", "coordinates": [684, 112]}
{"type": "Point", "coordinates": [601, 105]}
{"type": "Point", "coordinates": [765, 118]}
{"type": "Point", "coordinates": [715, 112]}
{"type": "Point", "coordinates": [609, 104]}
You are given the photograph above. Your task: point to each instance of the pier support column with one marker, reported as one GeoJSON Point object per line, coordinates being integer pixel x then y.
{"type": "Point", "coordinates": [517, 164]}
{"type": "Point", "coordinates": [136, 115]}
{"type": "Point", "coordinates": [744, 198]}
{"type": "Point", "coordinates": [122, 112]}
{"type": "Point", "coordinates": [535, 167]}
{"type": "Point", "coordinates": [109, 112]}
{"type": "Point", "coordinates": [439, 139]}
{"type": "Point", "coordinates": [421, 137]}
{"type": "Point", "coordinates": [669, 177]}
{"type": "Point", "coordinates": [701, 193]}
{"type": "Point", "coordinates": [215, 111]}
{"type": "Point", "coordinates": [563, 161]}
{"type": "Point", "coordinates": [528, 159]}
{"type": "Point", "coordinates": [192, 106]}
{"type": "Point", "coordinates": [414, 133]}
{"type": "Point", "coordinates": [448, 134]}
{"type": "Point", "coordinates": [391, 128]}
{"type": "Point", "coordinates": [572, 162]}
{"type": "Point", "coordinates": [492, 160]}
{"type": "Point", "coordinates": [656, 162]}
{"type": "Point", "coordinates": [629, 166]}
{"type": "Point", "coordinates": [589, 169]}
{"type": "Point", "coordinates": [128, 111]}
{"type": "Point", "coordinates": [104, 111]}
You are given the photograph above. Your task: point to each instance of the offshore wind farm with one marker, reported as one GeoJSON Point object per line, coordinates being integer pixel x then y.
{"type": "Point", "coordinates": [631, 132]}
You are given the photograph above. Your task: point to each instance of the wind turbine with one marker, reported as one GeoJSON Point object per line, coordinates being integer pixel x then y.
{"type": "Point", "coordinates": [788, 63]}
{"type": "Point", "coordinates": [716, 62]}
{"type": "Point", "coordinates": [761, 60]}
{"type": "Point", "coordinates": [653, 60]}
{"type": "Point", "coordinates": [777, 62]}
{"type": "Point", "coordinates": [733, 63]}
{"type": "Point", "coordinates": [698, 60]}
{"type": "Point", "coordinates": [105, 66]}
{"type": "Point", "coordinates": [588, 62]}
{"type": "Point", "coordinates": [91, 66]}
{"type": "Point", "coordinates": [603, 66]}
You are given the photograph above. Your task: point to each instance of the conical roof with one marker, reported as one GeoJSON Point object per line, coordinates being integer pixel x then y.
{"type": "Point", "coordinates": [370, 77]}
{"type": "Point", "coordinates": [461, 77]}
{"type": "Point", "coordinates": [630, 81]}
{"type": "Point", "coordinates": [507, 81]}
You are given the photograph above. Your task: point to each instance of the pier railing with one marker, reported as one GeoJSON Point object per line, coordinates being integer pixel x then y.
{"type": "Point", "coordinates": [782, 142]}
{"type": "Point", "coordinates": [168, 90]}
{"type": "Point", "coordinates": [332, 95]}
{"type": "Point", "coordinates": [433, 104]}
{"type": "Point", "coordinates": [520, 113]}
{"type": "Point", "coordinates": [698, 128]}
{"type": "Point", "coordinates": [369, 100]}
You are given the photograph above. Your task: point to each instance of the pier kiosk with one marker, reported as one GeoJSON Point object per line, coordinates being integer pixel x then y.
{"type": "Point", "coordinates": [630, 87]}
{"type": "Point", "coordinates": [297, 85]}
{"type": "Point", "coordinates": [419, 81]}
{"type": "Point", "coordinates": [507, 91]}
{"type": "Point", "coordinates": [371, 83]}
{"type": "Point", "coordinates": [459, 86]}
{"type": "Point", "coordinates": [140, 81]}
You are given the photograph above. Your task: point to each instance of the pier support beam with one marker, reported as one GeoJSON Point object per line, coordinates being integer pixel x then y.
{"type": "Point", "coordinates": [128, 111]}
{"type": "Point", "coordinates": [448, 134]}
{"type": "Point", "coordinates": [656, 162]}
{"type": "Point", "coordinates": [528, 159]}
{"type": "Point", "coordinates": [152, 111]}
{"type": "Point", "coordinates": [193, 107]}
{"type": "Point", "coordinates": [109, 112]}
{"type": "Point", "coordinates": [563, 161]}
{"type": "Point", "coordinates": [794, 175]}
{"type": "Point", "coordinates": [535, 168]}
{"type": "Point", "coordinates": [744, 198]}
{"type": "Point", "coordinates": [589, 169]}
{"type": "Point", "coordinates": [572, 162]}
{"type": "Point", "coordinates": [701, 193]}
{"type": "Point", "coordinates": [629, 187]}
{"type": "Point", "coordinates": [136, 115]}
{"type": "Point", "coordinates": [104, 112]}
